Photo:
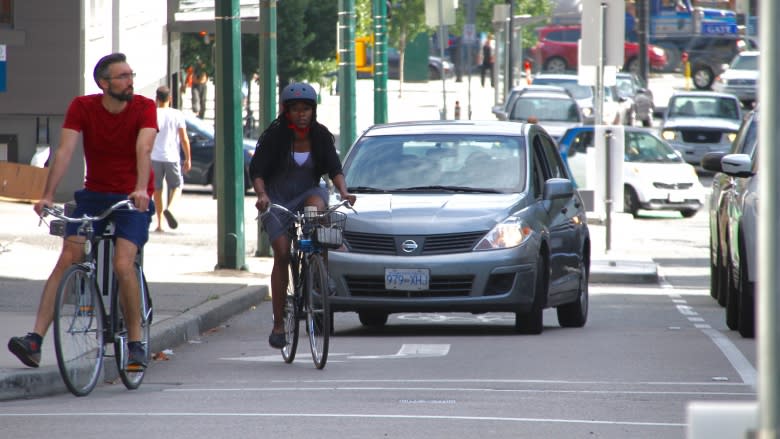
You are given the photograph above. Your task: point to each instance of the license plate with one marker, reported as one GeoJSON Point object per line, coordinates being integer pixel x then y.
{"type": "Point", "coordinates": [408, 279]}
{"type": "Point", "coordinates": [676, 198]}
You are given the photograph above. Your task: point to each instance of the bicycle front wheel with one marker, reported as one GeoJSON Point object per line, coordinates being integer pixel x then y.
{"type": "Point", "coordinates": [292, 305]}
{"type": "Point", "coordinates": [78, 331]}
{"type": "Point", "coordinates": [318, 310]}
{"type": "Point", "coordinates": [131, 378]}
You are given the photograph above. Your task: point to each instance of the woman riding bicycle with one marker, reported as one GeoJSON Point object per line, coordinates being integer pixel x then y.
{"type": "Point", "coordinates": [291, 156]}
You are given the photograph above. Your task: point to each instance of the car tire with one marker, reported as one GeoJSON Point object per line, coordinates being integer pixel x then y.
{"type": "Point", "coordinates": [556, 64]}
{"type": "Point", "coordinates": [632, 66]}
{"type": "Point", "coordinates": [732, 299]}
{"type": "Point", "coordinates": [433, 73]}
{"type": "Point", "coordinates": [702, 77]}
{"type": "Point", "coordinates": [575, 314]}
{"type": "Point", "coordinates": [630, 201]}
{"type": "Point", "coordinates": [373, 319]}
{"type": "Point", "coordinates": [688, 213]}
{"type": "Point", "coordinates": [673, 56]}
{"type": "Point", "coordinates": [531, 322]}
{"type": "Point", "coordinates": [747, 311]}
{"type": "Point", "coordinates": [715, 274]}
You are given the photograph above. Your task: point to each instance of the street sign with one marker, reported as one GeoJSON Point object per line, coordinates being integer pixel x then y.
{"type": "Point", "coordinates": [447, 8]}
{"type": "Point", "coordinates": [2, 68]}
{"type": "Point", "coordinates": [469, 33]}
{"type": "Point", "coordinates": [614, 32]}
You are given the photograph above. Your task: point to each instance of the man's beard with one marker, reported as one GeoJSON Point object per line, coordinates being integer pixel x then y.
{"type": "Point", "coordinates": [126, 97]}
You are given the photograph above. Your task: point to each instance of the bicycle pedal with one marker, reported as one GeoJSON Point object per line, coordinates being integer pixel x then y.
{"type": "Point", "coordinates": [88, 311]}
{"type": "Point", "coordinates": [134, 368]}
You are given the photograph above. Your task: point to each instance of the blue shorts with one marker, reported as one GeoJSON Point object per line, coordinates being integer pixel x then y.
{"type": "Point", "coordinates": [129, 224]}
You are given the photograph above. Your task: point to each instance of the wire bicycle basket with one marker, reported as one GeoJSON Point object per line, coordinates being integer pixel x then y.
{"type": "Point", "coordinates": [328, 227]}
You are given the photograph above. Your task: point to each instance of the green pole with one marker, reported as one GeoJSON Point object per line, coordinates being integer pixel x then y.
{"type": "Point", "coordinates": [380, 61]}
{"type": "Point", "coordinates": [229, 154]}
{"type": "Point", "coordinates": [267, 91]}
{"type": "Point", "coordinates": [347, 75]}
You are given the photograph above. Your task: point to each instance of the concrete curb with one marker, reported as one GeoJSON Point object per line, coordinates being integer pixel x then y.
{"type": "Point", "coordinates": [611, 271]}
{"type": "Point", "coordinates": [171, 332]}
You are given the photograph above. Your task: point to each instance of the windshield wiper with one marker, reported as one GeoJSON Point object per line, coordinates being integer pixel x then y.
{"type": "Point", "coordinates": [448, 188]}
{"type": "Point", "coordinates": [367, 189]}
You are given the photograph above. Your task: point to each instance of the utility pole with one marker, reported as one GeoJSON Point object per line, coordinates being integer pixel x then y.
{"type": "Point", "coordinates": [268, 87]}
{"type": "Point", "coordinates": [380, 61]}
{"type": "Point", "coordinates": [347, 75]}
{"type": "Point", "coordinates": [642, 23]}
{"type": "Point", "coordinates": [230, 157]}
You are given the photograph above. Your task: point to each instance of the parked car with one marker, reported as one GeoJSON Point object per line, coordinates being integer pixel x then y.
{"type": "Point", "coordinates": [708, 53]}
{"type": "Point", "coordinates": [203, 149]}
{"type": "Point", "coordinates": [655, 177]}
{"type": "Point", "coordinates": [722, 185]}
{"type": "Point", "coordinates": [502, 111]}
{"type": "Point", "coordinates": [698, 122]}
{"type": "Point", "coordinates": [740, 78]}
{"type": "Point", "coordinates": [556, 50]}
{"type": "Point", "coordinates": [472, 217]}
{"type": "Point", "coordinates": [435, 66]}
{"type": "Point", "coordinates": [630, 86]}
{"type": "Point", "coordinates": [614, 109]}
{"type": "Point", "coordinates": [740, 202]}
{"type": "Point", "coordinates": [555, 111]}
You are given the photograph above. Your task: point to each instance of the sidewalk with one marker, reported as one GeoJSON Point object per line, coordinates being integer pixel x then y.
{"type": "Point", "coordinates": [190, 296]}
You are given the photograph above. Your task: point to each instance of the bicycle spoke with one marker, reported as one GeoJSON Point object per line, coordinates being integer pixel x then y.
{"type": "Point", "coordinates": [318, 312]}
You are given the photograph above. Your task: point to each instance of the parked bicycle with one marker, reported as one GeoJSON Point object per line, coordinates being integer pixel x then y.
{"type": "Point", "coordinates": [82, 327]}
{"type": "Point", "coordinates": [311, 233]}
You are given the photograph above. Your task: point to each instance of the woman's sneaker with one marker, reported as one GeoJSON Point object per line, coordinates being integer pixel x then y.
{"type": "Point", "coordinates": [27, 348]}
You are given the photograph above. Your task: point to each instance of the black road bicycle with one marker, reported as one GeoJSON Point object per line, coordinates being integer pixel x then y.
{"type": "Point", "coordinates": [311, 232]}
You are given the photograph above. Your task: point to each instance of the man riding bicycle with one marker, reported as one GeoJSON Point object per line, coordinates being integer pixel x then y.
{"type": "Point", "coordinates": [118, 130]}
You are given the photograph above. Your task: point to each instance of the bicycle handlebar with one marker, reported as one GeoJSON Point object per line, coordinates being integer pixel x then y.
{"type": "Point", "coordinates": [59, 213]}
{"type": "Point", "coordinates": [299, 215]}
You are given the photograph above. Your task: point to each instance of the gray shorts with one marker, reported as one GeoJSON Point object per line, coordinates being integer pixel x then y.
{"type": "Point", "coordinates": [170, 171]}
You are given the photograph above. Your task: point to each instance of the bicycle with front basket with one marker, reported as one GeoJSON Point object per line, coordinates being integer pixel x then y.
{"type": "Point", "coordinates": [311, 233]}
{"type": "Point", "coordinates": [82, 327]}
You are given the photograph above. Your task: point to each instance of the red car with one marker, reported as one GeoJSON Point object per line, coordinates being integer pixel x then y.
{"type": "Point", "coordinates": [556, 50]}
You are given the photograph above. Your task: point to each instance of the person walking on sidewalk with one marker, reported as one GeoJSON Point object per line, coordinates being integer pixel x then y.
{"type": "Point", "coordinates": [118, 130]}
{"type": "Point", "coordinates": [488, 59]}
{"type": "Point", "coordinates": [199, 92]}
{"type": "Point", "coordinates": [291, 156]}
{"type": "Point", "coordinates": [166, 161]}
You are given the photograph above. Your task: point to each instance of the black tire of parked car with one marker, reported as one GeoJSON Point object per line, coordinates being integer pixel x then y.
{"type": "Point", "coordinates": [747, 311]}
{"type": "Point", "coordinates": [630, 201]}
{"type": "Point", "coordinates": [732, 299]}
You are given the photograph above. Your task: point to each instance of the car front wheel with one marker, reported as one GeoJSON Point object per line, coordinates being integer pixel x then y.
{"type": "Point", "coordinates": [702, 77]}
{"type": "Point", "coordinates": [575, 314]}
{"type": "Point", "coordinates": [531, 322]}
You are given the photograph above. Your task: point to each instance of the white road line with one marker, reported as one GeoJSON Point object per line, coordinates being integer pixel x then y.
{"type": "Point", "coordinates": [411, 351]}
{"type": "Point", "coordinates": [735, 357]}
{"type": "Point", "coordinates": [349, 415]}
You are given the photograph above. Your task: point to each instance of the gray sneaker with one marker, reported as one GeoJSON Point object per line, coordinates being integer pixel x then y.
{"type": "Point", "coordinates": [136, 357]}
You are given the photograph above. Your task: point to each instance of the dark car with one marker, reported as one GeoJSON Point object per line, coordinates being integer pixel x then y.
{"type": "Point", "coordinates": [472, 216]}
{"type": "Point", "coordinates": [203, 147]}
{"type": "Point", "coordinates": [708, 53]}
{"type": "Point", "coordinates": [435, 66]}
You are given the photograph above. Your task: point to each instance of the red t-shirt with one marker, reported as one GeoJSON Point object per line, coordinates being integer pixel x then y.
{"type": "Point", "coordinates": [109, 141]}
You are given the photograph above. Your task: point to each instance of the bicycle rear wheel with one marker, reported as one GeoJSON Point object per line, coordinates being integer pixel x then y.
{"type": "Point", "coordinates": [131, 378]}
{"type": "Point", "coordinates": [318, 310]}
{"type": "Point", "coordinates": [78, 331]}
{"type": "Point", "coordinates": [292, 306]}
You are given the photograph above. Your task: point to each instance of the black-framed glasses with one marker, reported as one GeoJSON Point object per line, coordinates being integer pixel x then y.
{"type": "Point", "coordinates": [122, 77]}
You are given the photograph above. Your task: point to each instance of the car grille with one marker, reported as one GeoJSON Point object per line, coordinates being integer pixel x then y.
{"type": "Point", "coordinates": [701, 136]}
{"type": "Point", "coordinates": [374, 286]}
{"type": "Point", "coordinates": [680, 186]}
{"type": "Point", "coordinates": [431, 245]}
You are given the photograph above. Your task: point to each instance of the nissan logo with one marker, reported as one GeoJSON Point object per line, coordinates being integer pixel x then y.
{"type": "Point", "coordinates": [409, 246]}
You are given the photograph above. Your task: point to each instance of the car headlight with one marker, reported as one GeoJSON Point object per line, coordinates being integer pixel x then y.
{"type": "Point", "coordinates": [587, 111]}
{"type": "Point", "coordinates": [731, 136]}
{"type": "Point", "coordinates": [510, 233]}
{"type": "Point", "coordinates": [668, 134]}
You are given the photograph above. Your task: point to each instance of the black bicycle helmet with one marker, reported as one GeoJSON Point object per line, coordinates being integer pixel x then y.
{"type": "Point", "coordinates": [299, 91]}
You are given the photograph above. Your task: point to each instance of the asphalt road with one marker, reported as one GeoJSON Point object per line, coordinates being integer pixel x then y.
{"type": "Point", "coordinates": [646, 352]}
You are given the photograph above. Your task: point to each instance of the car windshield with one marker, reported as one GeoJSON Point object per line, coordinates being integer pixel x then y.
{"type": "Point", "coordinates": [545, 109]}
{"type": "Point", "coordinates": [576, 90]}
{"type": "Point", "coordinates": [704, 106]}
{"type": "Point", "coordinates": [745, 62]}
{"type": "Point", "coordinates": [646, 148]}
{"type": "Point", "coordinates": [437, 162]}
